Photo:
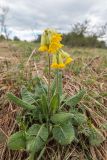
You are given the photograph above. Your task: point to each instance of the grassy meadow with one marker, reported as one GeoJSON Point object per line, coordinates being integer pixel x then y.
{"type": "Point", "coordinates": [87, 71]}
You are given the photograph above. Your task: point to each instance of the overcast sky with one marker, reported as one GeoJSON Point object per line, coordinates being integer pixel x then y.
{"type": "Point", "coordinates": [27, 18]}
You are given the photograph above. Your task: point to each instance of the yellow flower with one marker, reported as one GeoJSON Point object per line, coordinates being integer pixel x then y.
{"type": "Point", "coordinates": [66, 57]}
{"type": "Point", "coordinates": [44, 42]}
{"type": "Point", "coordinates": [61, 65]}
{"type": "Point", "coordinates": [68, 60]}
{"type": "Point", "coordinates": [54, 47]}
{"type": "Point", "coordinates": [56, 38]}
{"type": "Point", "coordinates": [54, 65]}
{"type": "Point", "coordinates": [55, 44]}
{"type": "Point", "coordinates": [43, 48]}
{"type": "Point", "coordinates": [64, 54]}
{"type": "Point", "coordinates": [57, 66]}
{"type": "Point", "coordinates": [57, 62]}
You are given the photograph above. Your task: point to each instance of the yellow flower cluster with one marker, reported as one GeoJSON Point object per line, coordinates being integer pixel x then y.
{"type": "Point", "coordinates": [57, 61]}
{"type": "Point", "coordinates": [51, 43]}
{"type": "Point", "coordinates": [61, 59]}
{"type": "Point", "coordinates": [54, 47]}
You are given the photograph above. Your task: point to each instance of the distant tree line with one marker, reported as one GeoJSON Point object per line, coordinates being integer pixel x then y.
{"type": "Point", "coordinates": [80, 36]}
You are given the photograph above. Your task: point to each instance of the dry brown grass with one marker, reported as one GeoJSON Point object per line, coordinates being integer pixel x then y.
{"type": "Point", "coordinates": [91, 75]}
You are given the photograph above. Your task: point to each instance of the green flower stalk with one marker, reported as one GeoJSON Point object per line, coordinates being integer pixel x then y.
{"type": "Point", "coordinates": [51, 43]}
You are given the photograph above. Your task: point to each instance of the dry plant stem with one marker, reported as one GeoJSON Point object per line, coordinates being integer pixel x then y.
{"type": "Point", "coordinates": [4, 133]}
{"type": "Point", "coordinates": [34, 51]}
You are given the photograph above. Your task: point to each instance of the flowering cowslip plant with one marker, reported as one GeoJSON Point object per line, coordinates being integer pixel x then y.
{"type": "Point", "coordinates": [48, 112]}
{"type": "Point", "coordinates": [51, 43]}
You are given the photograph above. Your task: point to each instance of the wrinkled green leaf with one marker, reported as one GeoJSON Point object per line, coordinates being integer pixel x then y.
{"type": "Point", "coordinates": [36, 137]}
{"type": "Point", "coordinates": [79, 118]}
{"type": "Point", "coordinates": [63, 134]}
{"type": "Point", "coordinates": [62, 117]}
{"type": "Point", "coordinates": [74, 100]}
{"type": "Point", "coordinates": [27, 96]}
{"type": "Point", "coordinates": [54, 103]}
{"type": "Point", "coordinates": [20, 102]}
{"type": "Point", "coordinates": [40, 88]}
{"type": "Point", "coordinates": [95, 137]}
{"type": "Point", "coordinates": [17, 141]}
{"type": "Point", "coordinates": [44, 105]}
{"type": "Point", "coordinates": [36, 112]}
